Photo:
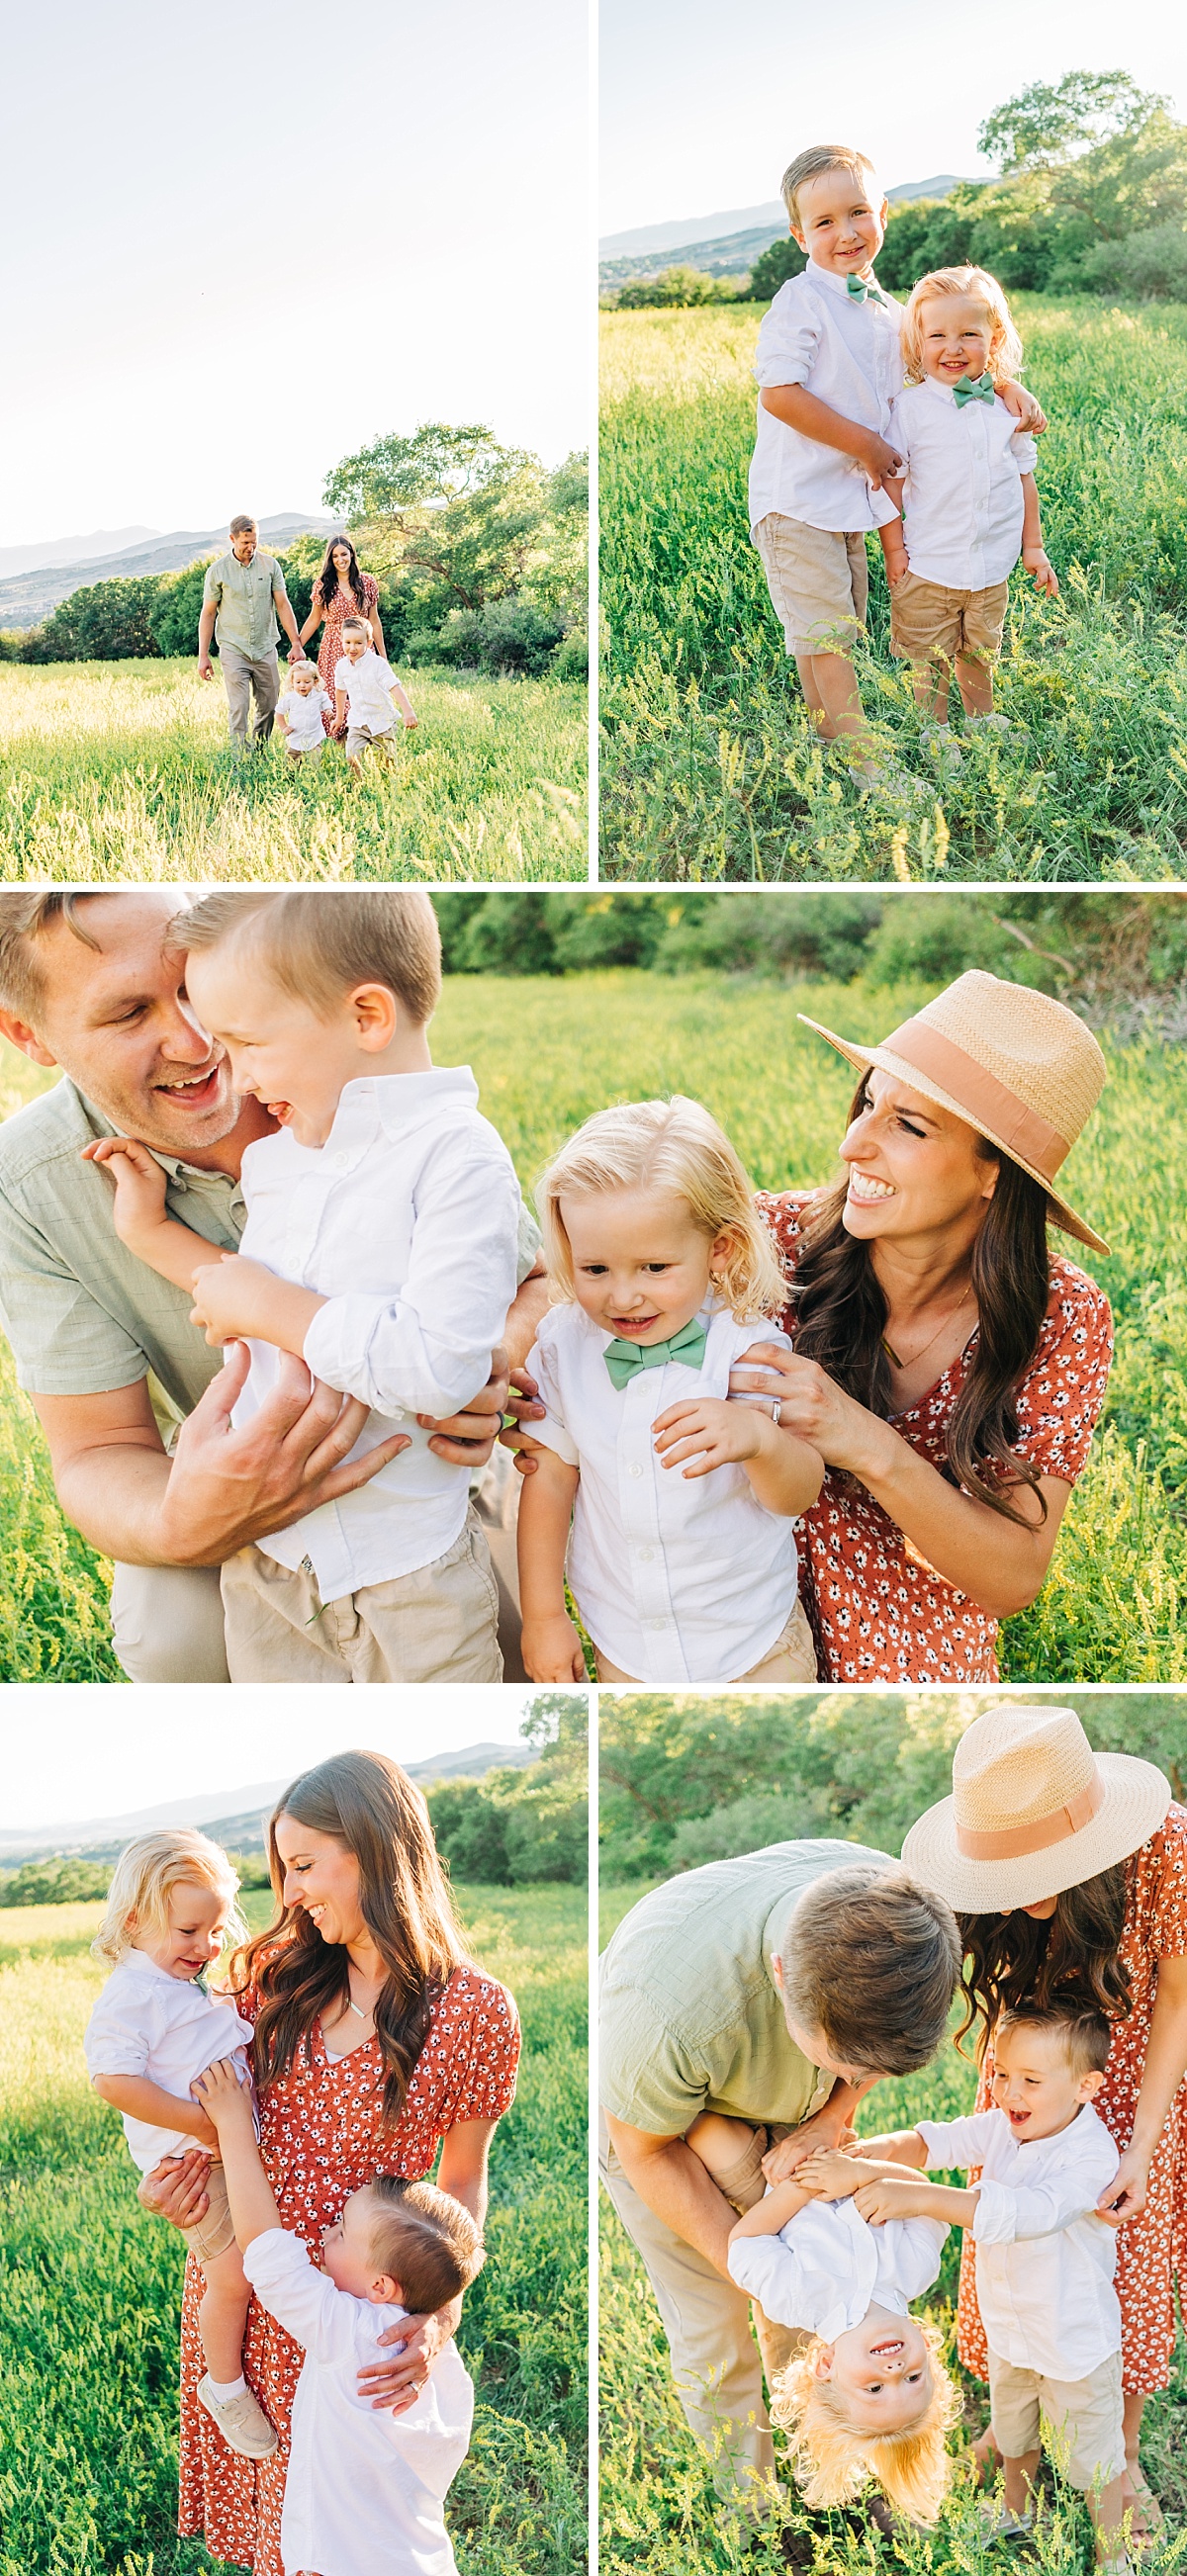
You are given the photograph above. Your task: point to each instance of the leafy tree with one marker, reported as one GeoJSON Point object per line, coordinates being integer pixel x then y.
{"type": "Point", "coordinates": [1045, 126]}
{"type": "Point", "coordinates": [527, 1827]}
{"type": "Point", "coordinates": [177, 607]}
{"type": "Point", "coordinates": [110, 621]}
{"type": "Point", "coordinates": [927, 233]}
{"type": "Point", "coordinates": [674, 287]}
{"type": "Point", "coordinates": [68, 1879]}
{"type": "Point", "coordinates": [772, 269]}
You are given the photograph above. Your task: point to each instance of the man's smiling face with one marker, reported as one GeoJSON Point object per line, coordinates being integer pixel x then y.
{"type": "Point", "coordinates": [115, 1017]}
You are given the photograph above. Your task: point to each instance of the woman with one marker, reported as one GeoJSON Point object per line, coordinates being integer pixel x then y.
{"type": "Point", "coordinates": [1090, 1892]}
{"type": "Point", "coordinates": [376, 2041]}
{"type": "Point", "coordinates": [948, 1367]}
{"type": "Point", "coordinates": [341, 590]}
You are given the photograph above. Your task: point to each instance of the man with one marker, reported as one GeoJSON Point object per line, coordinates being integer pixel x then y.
{"type": "Point", "coordinates": [777, 1989]}
{"type": "Point", "coordinates": [242, 597]}
{"type": "Point", "coordinates": [104, 1347]}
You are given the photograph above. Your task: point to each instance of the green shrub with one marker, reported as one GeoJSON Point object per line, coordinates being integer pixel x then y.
{"type": "Point", "coordinates": [67, 1880]}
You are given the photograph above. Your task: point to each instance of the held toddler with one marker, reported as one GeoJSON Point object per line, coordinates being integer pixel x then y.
{"type": "Point", "coordinates": [170, 1909]}
{"type": "Point", "coordinates": [968, 489]}
{"type": "Point", "coordinates": [365, 2488]}
{"type": "Point", "coordinates": [301, 711]}
{"type": "Point", "coordinates": [868, 2395]}
{"type": "Point", "coordinates": [381, 1246]}
{"type": "Point", "coordinates": [682, 1554]}
{"type": "Point", "coordinates": [366, 695]}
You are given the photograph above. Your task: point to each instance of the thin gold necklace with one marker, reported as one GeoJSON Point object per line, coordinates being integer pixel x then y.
{"type": "Point", "coordinates": [949, 1318]}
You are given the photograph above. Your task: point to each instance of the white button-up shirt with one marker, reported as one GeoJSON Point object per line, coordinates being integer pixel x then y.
{"type": "Point", "coordinates": [364, 2490]}
{"type": "Point", "coordinates": [962, 501]}
{"type": "Point", "coordinates": [303, 717]}
{"type": "Point", "coordinates": [406, 1220]}
{"type": "Point", "coordinates": [677, 1579]}
{"type": "Point", "coordinates": [827, 2268]}
{"type": "Point", "coordinates": [368, 684]}
{"type": "Point", "coordinates": [1045, 2262]}
{"type": "Point", "coordinates": [167, 2030]}
{"type": "Point", "coordinates": [846, 353]}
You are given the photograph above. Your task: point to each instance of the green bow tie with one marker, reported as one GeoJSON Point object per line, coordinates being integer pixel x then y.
{"type": "Point", "coordinates": [624, 1359]}
{"type": "Point", "coordinates": [859, 289]}
{"type": "Point", "coordinates": [973, 389]}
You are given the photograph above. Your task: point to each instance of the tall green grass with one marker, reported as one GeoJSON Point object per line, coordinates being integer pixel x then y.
{"type": "Point", "coordinates": [710, 769]}
{"type": "Point", "coordinates": [117, 770]}
{"type": "Point", "coordinates": [90, 2285]}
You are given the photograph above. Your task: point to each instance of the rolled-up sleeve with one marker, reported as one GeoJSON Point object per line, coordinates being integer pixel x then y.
{"type": "Point", "coordinates": [1026, 454]}
{"type": "Point", "coordinates": [788, 341]}
{"type": "Point", "coordinates": [768, 2270]}
{"type": "Point", "coordinates": [116, 2042]}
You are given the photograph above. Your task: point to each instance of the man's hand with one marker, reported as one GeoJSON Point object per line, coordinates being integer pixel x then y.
{"type": "Point", "coordinates": [227, 1488]}
{"type": "Point", "coordinates": [140, 1185]}
{"type": "Point", "coordinates": [830, 2174]}
{"type": "Point", "coordinates": [419, 2343]}
{"type": "Point", "coordinates": [823, 2131]}
{"type": "Point", "coordinates": [523, 1400]}
{"type": "Point", "coordinates": [176, 2189]}
{"type": "Point", "coordinates": [224, 2096]}
{"type": "Point", "coordinates": [205, 667]}
{"type": "Point", "coordinates": [880, 460]}
{"type": "Point", "coordinates": [1041, 570]}
{"type": "Point", "coordinates": [467, 1439]}
{"type": "Point", "coordinates": [552, 1650]}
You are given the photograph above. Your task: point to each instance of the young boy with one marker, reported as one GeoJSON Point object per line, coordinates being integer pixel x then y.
{"type": "Point", "coordinates": [366, 695]}
{"type": "Point", "coordinates": [299, 714]}
{"type": "Point", "coordinates": [381, 1247]}
{"type": "Point", "coordinates": [828, 365]}
{"type": "Point", "coordinates": [1045, 2261]}
{"type": "Point", "coordinates": [365, 2488]}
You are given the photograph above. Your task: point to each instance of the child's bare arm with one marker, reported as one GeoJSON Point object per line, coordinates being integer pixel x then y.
{"type": "Point", "coordinates": [891, 536]}
{"type": "Point", "coordinates": [1027, 412]}
{"type": "Point", "coordinates": [139, 1215]}
{"type": "Point", "coordinates": [551, 1646]}
{"type": "Point", "coordinates": [228, 2102]}
{"type": "Point", "coordinates": [404, 703]}
{"type": "Point", "coordinates": [899, 2195]}
{"type": "Point", "coordinates": [785, 1472]}
{"type": "Point", "coordinates": [769, 2216]}
{"type": "Point", "coordinates": [238, 1298]}
{"type": "Point", "coordinates": [340, 705]}
{"type": "Point", "coordinates": [1033, 555]}
{"type": "Point", "coordinates": [137, 2099]}
{"type": "Point", "coordinates": [814, 419]}
{"type": "Point", "coordinates": [897, 2147]}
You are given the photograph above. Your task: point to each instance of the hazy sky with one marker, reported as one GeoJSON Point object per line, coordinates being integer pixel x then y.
{"type": "Point", "coordinates": [249, 238]}
{"type": "Point", "coordinates": [77, 1752]}
{"type": "Point", "coordinates": [702, 110]}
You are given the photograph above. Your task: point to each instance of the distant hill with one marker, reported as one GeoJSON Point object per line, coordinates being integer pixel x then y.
{"type": "Point", "coordinates": [721, 245]}
{"type": "Point", "coordinates": [70, 550]}
{"type": "Point", "coordinates": [28, 597]}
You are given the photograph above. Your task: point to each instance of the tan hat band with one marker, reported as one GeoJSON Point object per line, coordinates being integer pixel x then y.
{"type": "Point", "coordinates": [1014, 1842]}
{"type": "Point", "coordinates": [990, 1103]}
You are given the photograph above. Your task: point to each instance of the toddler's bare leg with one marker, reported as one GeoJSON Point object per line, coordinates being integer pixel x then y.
{"type": "Point", "coordinates": [222, 2315]}
{"type": "Point", "coordinates": [1108, 2513]}
{"type": "Point", "coordinates": [932, 683]}
{"type": "Point", "coordinates": [829, 683]}
{"type": "Point", "coordinates": [975, 682]}
{"type": "Point", "coordinates": [1020, 2476]}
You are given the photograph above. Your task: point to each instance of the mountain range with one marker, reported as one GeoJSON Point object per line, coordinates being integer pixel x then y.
{"type": "Point", "coordinates": [30, 594]}
{"type": "Point", "coordinates": [722, 245]}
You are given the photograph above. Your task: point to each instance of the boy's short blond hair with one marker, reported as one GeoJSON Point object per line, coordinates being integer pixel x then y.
{"type": "Point", "coordinates": [912, 2466]}
{"type": "Point", "coordinates": [359, 626]}
{"type": "Point", "coordinates": [426, 2240]}
{"type": "Point", "coordinates": [143, 1881]}
{"type": "Point", "coordinates": [666, 1145]}
{"type": "Point", "coordinates": [812, 163]}
{"type": "Point", "coordinates": [318, 944]}
{"type": "Point", "coordinates": [1005, 347]}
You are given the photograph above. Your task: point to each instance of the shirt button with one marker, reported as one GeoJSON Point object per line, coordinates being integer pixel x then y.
{"type": "Point", "coordinates": [636, 1471]}
{"type": "Point", "coordinates": [645, 1555]}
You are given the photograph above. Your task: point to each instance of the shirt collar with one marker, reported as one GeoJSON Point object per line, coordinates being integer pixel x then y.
{"type": "Point", "coordinates": [396, 1103]}
{"type": "Point", "coordinates": [827, 277]}
{"type": "Point", "coordinates": [191, 1173]}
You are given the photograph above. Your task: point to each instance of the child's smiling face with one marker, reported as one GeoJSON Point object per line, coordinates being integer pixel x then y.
{"type": "Point", "coordinates": [1035, 2084]}
{"type": "Point", "coordinates": [304, 676]}
{"type": "Point", "coordinates": [295, 1059]}
{"type": "Point", "coordinates": [956, 335]}
{"type": "Point", "coordinates": [641, 1268]}
{"type": "Point", "coordinates": [195, 1934]}
{"type": "Point", "coordinates": [354, 646]}
{"type": "Point", "coordinates": [842, 223]}
{"type": "Point", "coordinates": [881, 2372]}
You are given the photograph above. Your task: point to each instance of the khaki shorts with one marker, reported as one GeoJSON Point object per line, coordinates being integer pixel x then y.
{"type": "Point", "coordinates": [792, 1658]}
{"type": "Point", "coordinates": [1084, 2419]}
{"type": "Point", "coordinates": [929, 624]}
{"type": "Point", "coordinates": [360, 737]}
{"type": "Point", "coordinates": [214, 2234]}
{"type": "Point", "coordinates": [439, 1624]}
{"type": "Point", "coordinates": [819, 581]}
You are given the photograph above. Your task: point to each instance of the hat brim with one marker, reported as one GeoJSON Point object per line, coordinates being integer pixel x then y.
{"type": "Point", "coordinates": [1137, 1797]}
{"type": "Point", "coordinates": [862, 1058]}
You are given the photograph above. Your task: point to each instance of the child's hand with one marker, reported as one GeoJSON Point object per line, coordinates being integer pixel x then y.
{"type": "Point", "coordinates": [709, 1429]}
{"type": "Point", "coordinates": [1041, 570]}
{"type": "Point", "coordinates": [898, 2146]}
{"type": "Point", "coordinates": [231, 1297]}
{"type": "Point", "coordinates": [879, 459]}
{"type": "Point", "coordinates": [140, 1184]}
{"type": "Point", "coordinates": [552, 1650]}
{"type": "Point", "coordinates": [222, 2094]}
{"type": "Point", "coordinates": [896, 566]}
{"type": "Point", "coordinates": [882, 2199]}
{"type": "Point", "coordinates": [1029, 414]}
{"type": "Point", "coordinates": [830, 2175]}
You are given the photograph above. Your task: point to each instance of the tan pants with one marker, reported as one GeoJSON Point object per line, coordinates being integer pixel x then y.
{"type": "Point", "coordinates": [243, 678]}
{"type": "Point", "coordinates": [438, 1624]}
{"type": "Point", "coordinates": [715, 2364]}
{"type": "Point", "coordinates": [1085, 2418]}
{"type": "Point", "coordinates": [792, 1658]}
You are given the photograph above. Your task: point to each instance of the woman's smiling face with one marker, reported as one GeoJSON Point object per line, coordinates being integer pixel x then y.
{"type": "Point", "coordinates": [321, 1875]}
{"type": "Point", "coordinates": [914, 1169]}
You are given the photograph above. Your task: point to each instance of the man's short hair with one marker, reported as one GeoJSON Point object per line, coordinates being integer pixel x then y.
{"type": "Point", "coordinates": [871, 1962]}
{"type": "Point", "coordinates": [241, 526]}
{"type": "Point", "coordinates": [317, 944]}
{"type": "Point", "coordinates": [810, 164]}
{"type": "Point", "coordinates": [425, 2240]}
{"type": "Point", "coordinates": [1081, 2027]}
{"type": "Point", "coordinates": [25, 914]}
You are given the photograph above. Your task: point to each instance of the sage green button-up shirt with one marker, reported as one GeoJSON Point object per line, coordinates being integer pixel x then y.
{"type": "Point", "coordinates": [690, 2017]}
{"type": "Point", "coordinates": [243, 595]}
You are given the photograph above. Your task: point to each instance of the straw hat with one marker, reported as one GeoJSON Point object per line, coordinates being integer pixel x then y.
{"type": "Point", "coordinates": [1012, 1063]}
{"type": "Point", "coordinates": [1033, 1810]}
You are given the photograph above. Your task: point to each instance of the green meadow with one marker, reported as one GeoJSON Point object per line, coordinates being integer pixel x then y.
{"type": "Point", "coordinates": [91, 2293]}
{"type": "Point", "coordinates": [710, 769]}
{"type": "Point", "coordinates": [118, 770]}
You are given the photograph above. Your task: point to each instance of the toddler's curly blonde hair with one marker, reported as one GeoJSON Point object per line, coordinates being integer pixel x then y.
{"type": "Point", "coordinates": [144, 1878]}
{"type": "Point", "coordinates": [912, 2466]}
{"type": "Point", "coordinates": [666, 1145]}
{"type": "Point", "coordinates": [1005, 347]}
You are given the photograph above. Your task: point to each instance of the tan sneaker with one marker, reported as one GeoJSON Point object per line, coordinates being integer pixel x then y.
{"type": "Point", "coordinates": [241, 2421]}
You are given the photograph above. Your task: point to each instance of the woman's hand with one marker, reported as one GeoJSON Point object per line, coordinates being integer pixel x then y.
{"type": "Point", "coordinates": [419, 2343]}
{"type": "Point", "coordinates": [813, 1406]}
{"type": "Point", "coordinates": [1125, 2196]}
{"type": "Point", "coordinates": [176, 2189]}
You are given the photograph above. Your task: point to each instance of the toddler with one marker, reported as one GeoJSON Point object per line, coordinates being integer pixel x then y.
{"type": "Point", "coordinates": [170, 1908]}
{"type": "Point", "coordinates": [381, 1246]}
{"type": "Point", "coordinates": [366, 695]}
{"type": "Point", "coordinates": [1045, 2260]}
{"type": "Point", "coordinates": [682, 1554]}
{"type": "Point", "coordinates": [868, 2394]}
{"type": "Point", "coordinates": [969, 493]}
{"type": "Point", "coordinates": [365, 2488]}
{"type": "Point", "coordinates": [301, 710]}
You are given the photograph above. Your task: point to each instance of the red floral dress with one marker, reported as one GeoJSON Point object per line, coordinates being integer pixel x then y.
{"type": "Point", "coordinates": [343, 605]}
{"type": "Point", "coordinates": [1152, 2249]}
{"type": "Point", "coordinates": [879, 1612]}
{"type": "Point", "coordinates": [321, 2137]}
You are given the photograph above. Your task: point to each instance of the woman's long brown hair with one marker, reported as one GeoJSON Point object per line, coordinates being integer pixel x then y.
{"type": "Point", "coordinates": [1012, 1959]}
{"type": "Point", "coordinates": [366, 1802]}
{"type": "Point", "coordinates": [841, 1319]}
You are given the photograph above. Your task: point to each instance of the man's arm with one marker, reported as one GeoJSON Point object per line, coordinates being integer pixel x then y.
{"type": "Point", "coordinates": [205, 637]}
{"type": "Point", "coordinates": [284, 610]}
{"type": "Point", "coordinates": [679, 2188]}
